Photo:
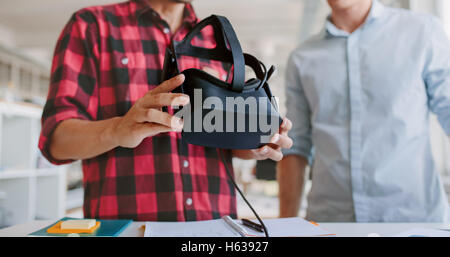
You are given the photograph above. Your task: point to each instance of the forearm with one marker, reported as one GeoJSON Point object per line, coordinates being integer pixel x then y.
{"type": "Point", "coordinates": [290, 175]}
{"type": "Point", "coordinates": [79, 139]}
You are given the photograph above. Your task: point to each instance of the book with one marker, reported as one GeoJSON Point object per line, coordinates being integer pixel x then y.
{"type": "Point", "coordinates": [108, 228]}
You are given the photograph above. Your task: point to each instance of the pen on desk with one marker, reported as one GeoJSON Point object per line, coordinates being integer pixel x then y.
{"type": "Point", "coordinates": [235, 226]}
{"type": "Point", "coordinates": [252, 225]}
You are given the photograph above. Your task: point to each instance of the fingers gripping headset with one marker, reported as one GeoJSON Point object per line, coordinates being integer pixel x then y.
{"type": "Point", "coordinates": [227, 50]}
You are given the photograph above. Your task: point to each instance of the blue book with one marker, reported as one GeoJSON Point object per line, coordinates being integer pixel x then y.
{"type": "Point", "coordinates": [108, 228]}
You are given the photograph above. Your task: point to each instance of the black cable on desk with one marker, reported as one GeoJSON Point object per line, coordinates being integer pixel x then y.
{"type": "Point", "coordinates": [242, 195]}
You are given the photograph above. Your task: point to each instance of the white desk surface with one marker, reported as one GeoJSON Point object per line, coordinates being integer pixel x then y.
{"type": "Point", "coordinates": [340, 229]}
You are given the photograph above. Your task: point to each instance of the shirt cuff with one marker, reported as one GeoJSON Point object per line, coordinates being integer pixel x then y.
{"type": "Point", "coordinates": [48, 127]}
{"type": "Point", "coordinates": [304, 152]}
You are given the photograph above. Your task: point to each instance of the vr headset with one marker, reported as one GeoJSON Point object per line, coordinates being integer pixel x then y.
{"type": "Point", "coordinates": [237, 115]}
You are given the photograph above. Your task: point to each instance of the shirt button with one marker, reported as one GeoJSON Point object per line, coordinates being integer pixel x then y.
{"type": "Point", "coordinates": [185, 164]}
{"type": "Point", "coordinates": [189, 201]}
{"type": "Point", "coordinates": [125, 61]}
{"type": "Point", "coordinates": [166, 30]}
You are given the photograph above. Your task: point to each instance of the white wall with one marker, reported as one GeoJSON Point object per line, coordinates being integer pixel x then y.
{"type": "Point", "coordinates": [6, 36]}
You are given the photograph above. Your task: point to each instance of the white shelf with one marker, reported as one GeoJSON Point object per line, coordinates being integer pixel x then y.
{"type": "Point", "coordinates": [30, 192]}
{"type": "Point", "coordinates": [20, 109]}
{"type": "Point", "coordinates": [48, 172]}
{"type": "Point", "coordinates": [32, 188]}
{"type": "Point", "coordinates": [13, 174]}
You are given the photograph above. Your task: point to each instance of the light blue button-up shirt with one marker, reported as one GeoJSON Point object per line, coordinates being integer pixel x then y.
{"type": "Point", "coordinates": [360, 106]}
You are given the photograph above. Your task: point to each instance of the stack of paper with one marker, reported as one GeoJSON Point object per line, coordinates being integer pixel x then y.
{"type": "Point", "coordinates": [78, 224]}
{"type": "Point", "coordinates": [286, 227]}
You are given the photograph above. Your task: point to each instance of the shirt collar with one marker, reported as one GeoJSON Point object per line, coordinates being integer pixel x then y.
{"type": "Point", "coordinates": [143, 6]}
{"type": "Point", "coordinates": [376, 11]}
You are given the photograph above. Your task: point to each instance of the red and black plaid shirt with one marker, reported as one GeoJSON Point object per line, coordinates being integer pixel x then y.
{"type": "Point", "coordinates": [107, 57]}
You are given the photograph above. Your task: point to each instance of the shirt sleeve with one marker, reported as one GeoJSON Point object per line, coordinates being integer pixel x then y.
{"type": "Point", "coordinates": [73, 92]}
{"type": "Point", "coordinates": [298, 112]}
{"type": "Point", "coordinates": [437, 73]}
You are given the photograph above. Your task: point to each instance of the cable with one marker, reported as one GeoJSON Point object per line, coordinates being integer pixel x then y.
{"type": "Point", "coordinates": [242, 195]}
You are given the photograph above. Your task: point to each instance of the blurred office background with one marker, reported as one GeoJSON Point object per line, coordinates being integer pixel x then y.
{"type": "Point", "coordinates": [31, 188]}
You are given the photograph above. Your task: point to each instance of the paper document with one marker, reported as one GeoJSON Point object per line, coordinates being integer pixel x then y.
{"type": "Point", "coordinates": [217, 228]}
{"type": "Point", "coordinates": [289, 227]}
{"type": "Point", "coordinates": [423, 232]}
{"type": "Point", "coordinates": [286, 227]}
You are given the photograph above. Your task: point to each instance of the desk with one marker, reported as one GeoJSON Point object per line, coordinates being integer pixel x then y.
{"type": "Point", "coordinates": [341, 229]}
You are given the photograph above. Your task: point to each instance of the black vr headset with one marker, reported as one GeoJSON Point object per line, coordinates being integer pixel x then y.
{"type": "Point", "coordinates": [242, 113]}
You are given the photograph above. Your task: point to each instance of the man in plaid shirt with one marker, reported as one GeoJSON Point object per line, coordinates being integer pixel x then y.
{"type": "Point", "coordinates": [104, 107]}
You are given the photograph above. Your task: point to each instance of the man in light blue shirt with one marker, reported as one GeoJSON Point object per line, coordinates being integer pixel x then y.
{"type": "Point", "coordinates": [359, 95]}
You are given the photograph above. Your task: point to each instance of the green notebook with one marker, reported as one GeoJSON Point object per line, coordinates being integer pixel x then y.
{"type": "Point", "coordinates": [108, 228]}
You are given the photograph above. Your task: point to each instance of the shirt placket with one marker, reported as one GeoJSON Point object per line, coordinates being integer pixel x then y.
{"type": "Point", "coordinates": [188, 201]}
{"type": "Point", "coordinates": [186, 179]}
{"type": "Point", "coordinates": [355, 92]}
